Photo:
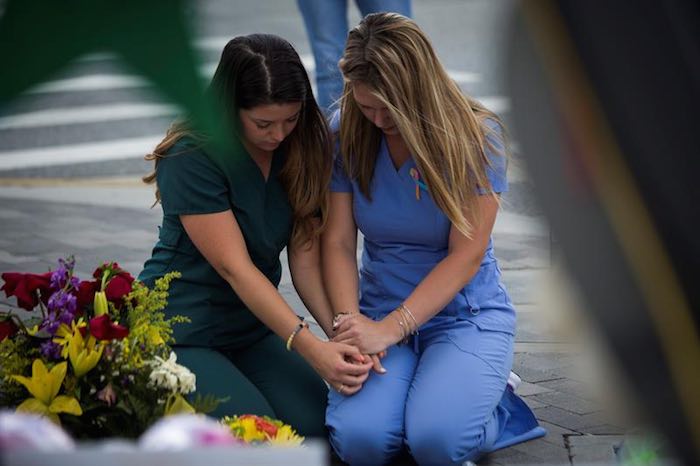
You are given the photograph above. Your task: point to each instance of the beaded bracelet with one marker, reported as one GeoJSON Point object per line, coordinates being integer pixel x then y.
{"type": "Point", "coordinates": [298, 328]}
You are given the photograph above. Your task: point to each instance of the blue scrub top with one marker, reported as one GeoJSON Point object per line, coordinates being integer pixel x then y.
{"type": "Point", "coordinates": [406, 237]}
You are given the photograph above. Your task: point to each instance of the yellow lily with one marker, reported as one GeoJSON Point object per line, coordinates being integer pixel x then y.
{"type": "Point", "coordinates": [84, 355]}
{"type": "Point", "coordinates": [99, 303]}
{"type": "Point", "coordinates": [176, 404]}
{"type": "Point", "coordinates": [44, 386]}
{"type": "Point", "coordinates": [64, 334]}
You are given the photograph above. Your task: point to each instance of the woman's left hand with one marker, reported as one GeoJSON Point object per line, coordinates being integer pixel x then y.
{"type": "Point", "coordinates": [368, 336]}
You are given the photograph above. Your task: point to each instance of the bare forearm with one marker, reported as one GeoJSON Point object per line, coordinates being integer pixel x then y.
{"type": "Point", "coordinates": [263, 300]}
{"type": "Point", "coordinates": [438, 288]}
{"type": "Point", "coordinates": [340, 277]}
{"type": "Point", "coordinates": [218, 237]}
{"type": "Point", "coordinates": [308, 282]}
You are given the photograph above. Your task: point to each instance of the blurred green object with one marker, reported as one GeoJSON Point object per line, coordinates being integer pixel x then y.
{"type": "Point", "coordinates": [39, 37]}
{"type": "Point", "coordinates": [640, 451]}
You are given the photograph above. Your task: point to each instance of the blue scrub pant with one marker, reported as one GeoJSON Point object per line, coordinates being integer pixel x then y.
{"type": "Point", "coordinates": [444, 396]}
{"type": "Point", "coordinates": [327, 27]}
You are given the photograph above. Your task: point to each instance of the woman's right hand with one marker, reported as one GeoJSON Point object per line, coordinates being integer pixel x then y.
{"type": "Point", "coordinates": [341, 365]}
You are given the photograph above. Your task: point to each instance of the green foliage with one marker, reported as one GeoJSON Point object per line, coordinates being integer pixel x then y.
{"type": "Point", "coordinates": [16, 356]}
{"type": "Point", "coordinates": [207, 403]}
{"type": "Point", "coordinates": [149, 331]}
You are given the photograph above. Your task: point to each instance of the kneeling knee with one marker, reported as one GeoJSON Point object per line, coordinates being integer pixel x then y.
{"type": "Point", "coordinates": [434, 446]}
{"type": "Point", "coordinates": [360, 445]}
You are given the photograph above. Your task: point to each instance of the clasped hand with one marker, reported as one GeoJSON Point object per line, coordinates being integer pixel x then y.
{"type": "Point", "coordinates": [365, 334]}
{"type": "Point", "coordinates": [345, 363]}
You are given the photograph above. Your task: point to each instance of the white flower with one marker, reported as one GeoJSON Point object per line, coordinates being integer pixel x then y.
{"type": "Point", "coordinates": [172, 376]}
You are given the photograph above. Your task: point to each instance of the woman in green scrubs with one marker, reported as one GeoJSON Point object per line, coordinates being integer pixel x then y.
{"type": "Point", "coordinates": [226, 219]}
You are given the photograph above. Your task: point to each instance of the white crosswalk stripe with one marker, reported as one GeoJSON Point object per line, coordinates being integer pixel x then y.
{"type": "Point", "coordinates": [117, 149]}
{"type": "Point", "coordinates": [87, 114]}
{"type": "Point", "coordinates": [134, 111]}
{"type": "Point", "coordinates": [94, 82]}
{"type": "Point", "coordinates": [78, 153]}
{"type": "Point", "coordinates": [497, 104]}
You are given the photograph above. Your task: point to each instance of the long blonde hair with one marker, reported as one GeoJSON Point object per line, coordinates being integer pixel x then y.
{"type": "Point", "coordinates": [444, 129]}
{"type": "Point", "coordinates": [262, 69]}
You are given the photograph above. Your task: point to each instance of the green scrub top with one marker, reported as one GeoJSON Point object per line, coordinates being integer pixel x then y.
{"type": "Point", "coordinates": [190, 182]}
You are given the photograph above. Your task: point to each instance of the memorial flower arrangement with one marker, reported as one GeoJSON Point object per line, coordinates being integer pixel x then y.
{"type": "Point", "coordinates": [92, 355]}
{"type": "Point", "coordinates": [262, 430]}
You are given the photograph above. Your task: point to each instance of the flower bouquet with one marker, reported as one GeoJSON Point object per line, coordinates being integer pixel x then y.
{"type": "Point", "coordinates": [93, 355]}
{"type": "Point", "coordinates": [257, 430]}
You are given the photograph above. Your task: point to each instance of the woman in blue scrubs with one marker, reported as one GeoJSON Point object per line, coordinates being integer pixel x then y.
{"type": "Point", "coordinates": [419, 172]}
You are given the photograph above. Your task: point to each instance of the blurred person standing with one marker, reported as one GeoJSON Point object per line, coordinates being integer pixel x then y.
{"type": "Point", "coordinates": [327, 27]}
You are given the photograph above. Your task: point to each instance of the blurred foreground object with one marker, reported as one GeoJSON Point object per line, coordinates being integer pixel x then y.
{"type": "Point", "coordinates": [180, 440]}
{"type": "Point", "coordinates": [605, 107]}
{"type": "Point", "coordinates": [20, 431]}
{"type": "Point", "coordinates": [184, 431]}
{"type": "Point", "coordinates": [40, 37]}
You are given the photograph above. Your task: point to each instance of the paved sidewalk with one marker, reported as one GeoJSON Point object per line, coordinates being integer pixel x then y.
{"type": "Point", "coordinates": [98, 220]}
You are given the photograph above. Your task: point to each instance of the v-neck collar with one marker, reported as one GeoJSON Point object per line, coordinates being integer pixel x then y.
{"type": "Point", "coordinates": [277, 157]}
{"type": "Point", "coordinates": [400, 171]}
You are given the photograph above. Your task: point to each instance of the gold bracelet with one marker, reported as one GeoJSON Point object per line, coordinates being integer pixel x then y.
{"type": "Point", "coordinates": [298, 328]}
{"type": "Point", "coordinates": [405, 308]}
{"type": "Point", "coordinates": [404, 331]}
{"type": "Point", "coordinates": [405, 319]}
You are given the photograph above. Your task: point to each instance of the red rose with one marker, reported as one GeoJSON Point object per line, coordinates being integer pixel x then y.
{"type": "Point", "coordinates": [118, 287]}
{"type": "Point", "coordinates": [7, 329]}
{"type": "Point", "coordinates": [112, 268]}
{"type": "Point", "coordinates": [86, 293]}
{"type": "Point", "coordinates": [103, 328]}
{"type": "Point", "coordinates": [25, 286]}
{"type": "Point", "coordinates": [107, 266]}
{"type": "Point", "coordinates": [118, 282]}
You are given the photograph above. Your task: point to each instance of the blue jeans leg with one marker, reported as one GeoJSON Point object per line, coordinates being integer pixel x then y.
{"type": "Point", "coordinates": [327, 27]}
{"type": "Point", "coordinates": [375, 6]}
